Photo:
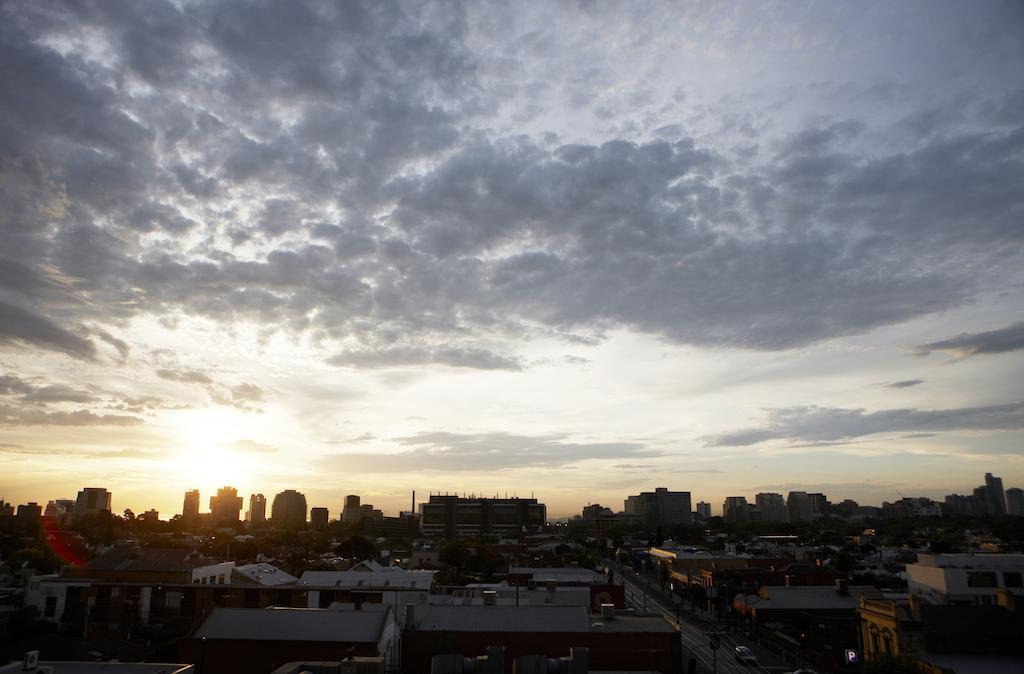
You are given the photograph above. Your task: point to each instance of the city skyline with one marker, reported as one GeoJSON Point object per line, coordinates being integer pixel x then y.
{"type": "Point", "coordinates": [581, 251]}
{"type": "Point", "coordinates": [763, 500]}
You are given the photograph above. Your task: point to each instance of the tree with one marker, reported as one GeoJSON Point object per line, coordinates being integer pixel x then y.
{"type": "Point", "coordinates": [357, 548]}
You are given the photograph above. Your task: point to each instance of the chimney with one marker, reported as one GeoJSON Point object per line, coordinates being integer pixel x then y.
{"type": "Point", "coordinates": [357, 602]}
{"type": "Point", "coordinates": [843, 586]}
{"type": "Point", "coordinates": [490, 598]}
{"type": "Point", "coordinates": [608, 611]}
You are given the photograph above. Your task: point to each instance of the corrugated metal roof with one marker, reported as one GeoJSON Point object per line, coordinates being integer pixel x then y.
{"type": "Point", "coordinates": [292, 624]}
{"type": "Point", "coordinates": [391, 579]}
{"type": "Point", "coordinates": [500, 618]}
{"type": "Point", "coordinates": [265, 574]}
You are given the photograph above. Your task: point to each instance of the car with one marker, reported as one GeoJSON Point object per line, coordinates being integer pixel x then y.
{"type": "Point", "coordinates": [745, 656]}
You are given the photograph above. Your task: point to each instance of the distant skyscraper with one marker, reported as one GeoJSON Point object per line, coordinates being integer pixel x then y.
{"type": "Point", "coordinates": [318, 518]}
{"type": "Point", "coordinates": [257, 514]}
{"type": "Point", "coordinates": [289, 510]}
{"type": "Point", "coordinates": [1015, 502]}
{"type": "Point", "coordinates": [60, 510]}
{"type": "Point", "coordinates": [660, 507]}
{"type": "Point", "coordinates": [226, 506]}
{"type": "Point", "coordinates": [798, 506]}
{"type": "Point", "coordinates": [773, 506]}
{"type": "Point", "coordinates": [819, 504]}
{"type": "Point", "coordinates": [190, 508]}
{"type": "Point", "coordinates": [350, 514]}
{"type": "Point", "coordinates": [704, 510]}
{"type": "Point", "coordinates": [734, 509]}
{"type": "Point", "coordinates": [996, 495]}
{"type": "Point", "coordinates": [30, 513]}
{"type": "Point", "coordinates": [92, 501]}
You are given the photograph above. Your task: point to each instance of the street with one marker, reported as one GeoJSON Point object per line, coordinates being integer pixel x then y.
{"type": "Point", "coordinates": [693, 631]}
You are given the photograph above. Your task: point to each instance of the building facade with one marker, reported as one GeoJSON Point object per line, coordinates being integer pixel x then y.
{"type": "Point", "coordinates": [660, 507]}
{"type": "Point", "coordinates": [318, 518]}
{"type": "Point", "coordinates": [289, 510]}
{"type": "Point", "coordinates": [190, 507]}
{"type": "Point", "coordinates": [92, 501]}
{"type": "Point", "coordinates": [226, 506]}
{"type": "Point", "coordinates": [772, 506]}
{"type": "Point", "coordinates": [966, 578]}
{"type": "Point", "coordinates": [454, 516]}
{"type": "Point", "coordinates": [257, 514]}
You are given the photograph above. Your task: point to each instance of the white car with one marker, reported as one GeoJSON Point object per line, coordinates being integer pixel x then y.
{"type": "Point", "coordinates": [745, 656]}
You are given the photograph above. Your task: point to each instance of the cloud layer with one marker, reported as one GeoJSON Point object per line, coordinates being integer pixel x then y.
{"type": "Point", "coordinates": [823, 424]}
{"type": "Point", "coordinates": [361, 205]}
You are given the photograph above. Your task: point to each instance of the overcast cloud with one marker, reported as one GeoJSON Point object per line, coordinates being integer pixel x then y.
{"type": "Point", "coordinates": [442, 187]}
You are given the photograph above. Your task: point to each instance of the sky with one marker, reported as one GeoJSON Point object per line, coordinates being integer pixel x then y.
{"type": "Point", "coordinates": [571, 250]}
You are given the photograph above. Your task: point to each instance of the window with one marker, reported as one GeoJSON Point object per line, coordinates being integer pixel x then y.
{"type": "Point", "coordinates": [173, 600]}
{"type": "Point", "coordinates": [51, 607]}
{"type": "Point", "coordinates": [982, 579]}
{"type": "Point", "coordinates": [1012, 579]}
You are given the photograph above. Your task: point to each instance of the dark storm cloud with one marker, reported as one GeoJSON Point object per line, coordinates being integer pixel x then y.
{"type": "Point", "coordinates": [444, 451]}
{"type": "Point", "coordinates": [188, 169]}
{"type": "Point", "coordinates": [827, 424]}
{"type": "Point", "coordinates": [25, 327]}
{"type": "Point", "coordinates": [1003, 340]}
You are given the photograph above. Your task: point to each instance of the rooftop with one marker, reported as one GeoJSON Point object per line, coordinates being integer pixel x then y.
{"type": "Point", "coordinates": [526, 619]}
{"type": "Point", "coordinates": [103, 668]}
{"type": "Point", "coordinates": [134, 558]}
{"type": "Point", "coordinates": [391, 578]}
{"type": "Point", "coordinates": [292, 624]}
{"type": "Point", "coordinates": [265, 574]}
{"type": "Point", "coordinates": [807, 597]}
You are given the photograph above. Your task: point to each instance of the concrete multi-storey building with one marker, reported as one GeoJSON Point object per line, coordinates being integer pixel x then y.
{"type": "Point", "coordinates": [289, 510]}
{"type": "Point", "coordinates": [773, 506]}
{"type": "Point", "coordinates": [704, 510]}
{"type": "Point", "coordinates": [190, 507]}
{"type": "Point", "coordinates": [995, 494]}
{"type": "Point", "coordinates": [1015, 502]}
{"type": "Point", "coordinates": [455, 516]}
{"type": "Point", "coordinates": [318, 518]}
{"type": "Point", "coordinates": [257, 514]}
{"type": "Point", "coordinates": [92, 501]}
{"type": "Point", "coordinates": [966, 578]}
{"type": "Point", "coordinates": [660, 507]}
{"type": "Point", "coordinates": [735, 509]}
{"type": "Point", "coordinates": [352, 512]}
{"type": "Point", "coordinates": [226, 506]}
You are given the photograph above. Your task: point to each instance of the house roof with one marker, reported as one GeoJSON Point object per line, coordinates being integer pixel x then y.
{"type": "Point", "coordinates": [522, 596]}
{"type": "Point", "coordinates": [390, 579]}
{"type": "Point", "coordinates": [292, 624]}
{"type": "Point", "coordinates": [499, 618]}
{"type": "Point", "coordinates": [440, 618]}
{"type": "Point", "coordinates": [132, 558]}
{"type": "Point", "coordinates": [806, 597]}
{"type": "Point", "coordinates": [571, 574]}
{"type": "Point", "coordinates": [265, 574]}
